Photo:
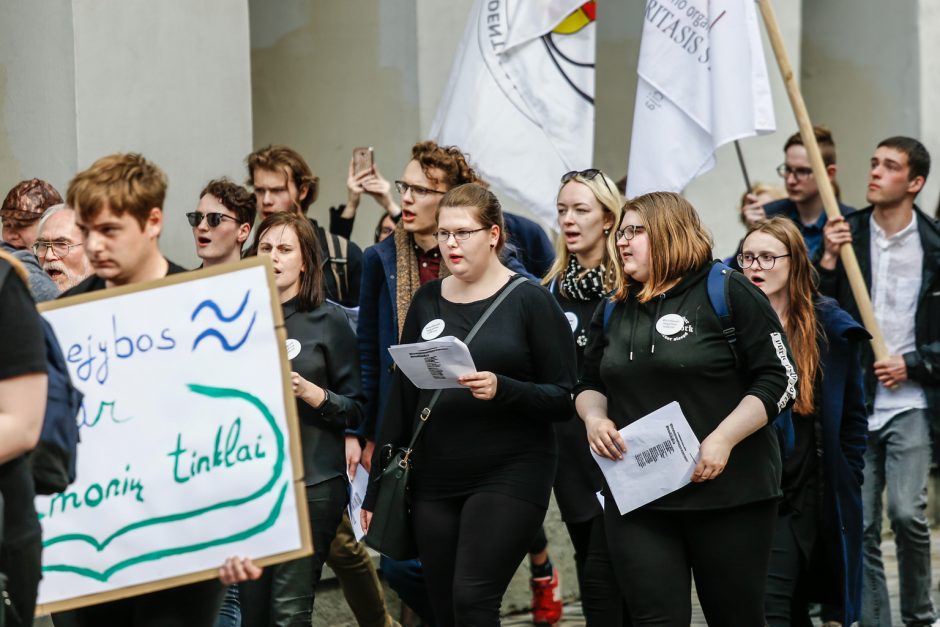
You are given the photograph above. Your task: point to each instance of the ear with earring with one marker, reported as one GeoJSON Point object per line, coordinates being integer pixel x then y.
{"type": "Point", "coordinates": [606, 232]}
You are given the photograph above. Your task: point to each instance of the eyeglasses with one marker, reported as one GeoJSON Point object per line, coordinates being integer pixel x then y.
{"type": "Point", "coordinates": [416, 190]}
{"type": "Point", "coordinates": [764, 261]}
{"type": "Point", "coordinates": [800, 174]}
{"type": "Point", "coordinates": [460, 236]}
{"type": "Point", "coordinates": [629, 231]}
{"type": "Point", "coordinates": [61, 249]}
{"type": "Point", "coordinates": [213, 219]}
{"type": "Point", "coordinates": [588, 175]}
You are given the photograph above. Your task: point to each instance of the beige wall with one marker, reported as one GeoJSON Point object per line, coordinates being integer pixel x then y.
{"type": "Point", "coordinates": [168, 79]}
{"type": "Point", "coordinates": [37, 93]}
{"type": "Point", "coordinates": [861, 78]}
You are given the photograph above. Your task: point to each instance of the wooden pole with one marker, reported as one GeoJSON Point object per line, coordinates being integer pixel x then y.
{"type": "Point", "coordinates": [847, 253]}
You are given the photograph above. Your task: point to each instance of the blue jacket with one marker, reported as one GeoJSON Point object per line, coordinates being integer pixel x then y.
{"type": "Point", "coordinates": [532, 245]}
{"type": "Point", "coordinates": [378, 327]}
{"type": "Point", "coordinates": [844, 432]}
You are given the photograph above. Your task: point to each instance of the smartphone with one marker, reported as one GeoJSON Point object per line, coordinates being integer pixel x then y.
{"type": "Point", "coordinates": [363, 159]}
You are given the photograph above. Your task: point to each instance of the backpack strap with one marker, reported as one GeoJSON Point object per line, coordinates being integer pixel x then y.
{"type": "Point", "coordinates": [719, 286]}
{"type": "Point", "coordinates": [609, 305]}
{"type": "Point", "coordinates": [337, 259]}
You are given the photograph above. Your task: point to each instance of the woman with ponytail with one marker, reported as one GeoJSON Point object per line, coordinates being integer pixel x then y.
{"type": "Point", "coordinates": [817, 547]}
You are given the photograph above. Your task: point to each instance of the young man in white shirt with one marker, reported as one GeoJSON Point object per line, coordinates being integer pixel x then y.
{"type": "Point", "coordinates": [898, 249]}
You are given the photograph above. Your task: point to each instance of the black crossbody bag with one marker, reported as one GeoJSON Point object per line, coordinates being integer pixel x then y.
{"type": "Point", "coordinates": [391, 532]}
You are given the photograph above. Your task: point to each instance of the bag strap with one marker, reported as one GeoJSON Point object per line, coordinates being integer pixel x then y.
{"type": "Point", "coordinates": [426, 412]}
{"type": "Point", "coordinates": [719, 285]}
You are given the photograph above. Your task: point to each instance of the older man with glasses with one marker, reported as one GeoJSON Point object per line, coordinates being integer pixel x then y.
{"type": "Point", "coordinates": [59, 248]}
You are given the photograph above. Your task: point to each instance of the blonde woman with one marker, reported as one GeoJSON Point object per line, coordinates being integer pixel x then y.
{"type": "Point", "coordinates": [586, 270]}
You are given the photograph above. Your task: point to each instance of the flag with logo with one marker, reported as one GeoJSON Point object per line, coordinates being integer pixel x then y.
{"type": "Point", "coordinates": [701, 82]}
{"type": "Point", "coordinates": [520, 96]}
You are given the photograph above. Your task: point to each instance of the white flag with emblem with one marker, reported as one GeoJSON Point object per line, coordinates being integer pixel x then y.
{"type": "Point", "coordinates": [520, 96]}
{"type": "Point", "coordinates": [701, 83]}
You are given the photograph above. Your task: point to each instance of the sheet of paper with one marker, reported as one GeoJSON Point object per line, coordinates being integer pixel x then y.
{"type": "Point", "coordinates": [357, 493]}
{"type": "Point", "coordinates": [434, 364]}
{"type": "Point", "coordinates": [662, 451]}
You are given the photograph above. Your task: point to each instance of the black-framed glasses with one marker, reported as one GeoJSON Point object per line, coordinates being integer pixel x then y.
{"type": "Point", "coordinates": [629, 231]}
{"type": "Point", "coordinates": [460, 236]}
{"type": "Point", "coordinates": [416, 190]}
{"type": "Point", "coordinates": [800, 174]}
{"type": "Point", "coordinates": [61, 249]}
{"type": "Point", "coordinates": [213, 218]}
{"type": "Point", "coordinates": [588, 175]}
{"type": "Point", "coordinates": [765, 261]}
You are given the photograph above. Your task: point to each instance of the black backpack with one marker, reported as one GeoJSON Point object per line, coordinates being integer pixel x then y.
{"type": "Point", "coordinates": [53, 459]}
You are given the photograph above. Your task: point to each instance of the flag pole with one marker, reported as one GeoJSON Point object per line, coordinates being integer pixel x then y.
{"type": "Point", "coordinates": [747, 180]}
{"type": "Point", "coordinates": [847, 253]}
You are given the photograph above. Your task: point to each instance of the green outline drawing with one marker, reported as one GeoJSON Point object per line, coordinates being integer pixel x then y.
{"type": "Point", "coordinates": [267, 523]}
{"type": "Point", "coordinates": [212, 392]}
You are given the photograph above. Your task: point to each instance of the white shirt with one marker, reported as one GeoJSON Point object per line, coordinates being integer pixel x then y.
{"type": "Point", "coordinates": [896, 269]}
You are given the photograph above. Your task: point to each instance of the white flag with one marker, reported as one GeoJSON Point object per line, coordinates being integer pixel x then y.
{"type": "Point", "coordinates": [520, 96]}
{"type": "Point", "coordinates": [701, 82]}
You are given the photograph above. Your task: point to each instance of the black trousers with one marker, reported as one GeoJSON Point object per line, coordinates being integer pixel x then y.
{"type": "Point", "coordinates": [192, 605]}
{"type": "Point", "coordinates": [22, 563]}
{"type": "Point", "coordinates": [285, 593]}
{"type": "Point", "coordinates": [655, 554]}
{"type": "Point", "coordinates": [601, 601]}
{"type": "Point", "coordinates": [470, 547]}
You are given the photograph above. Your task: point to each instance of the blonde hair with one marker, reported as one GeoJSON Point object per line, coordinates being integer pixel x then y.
{"type": "Point", "coordinates": [125, 183]}
{"type": "Point", "coordinates": [679, 243]}
{"type": "Point", "coordinates": [608, 196]}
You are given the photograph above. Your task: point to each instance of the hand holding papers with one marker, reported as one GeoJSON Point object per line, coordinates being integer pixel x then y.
{"type": "Point", "coordinates": [660, 458]}
{"type": "Point", "coordinates": [434, 364]}
{"type": "Point", "coordinates": [357, 493]}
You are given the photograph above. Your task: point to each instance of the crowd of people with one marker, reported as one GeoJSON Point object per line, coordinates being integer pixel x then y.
{"type": "Point", "coordinates": [801, 427]}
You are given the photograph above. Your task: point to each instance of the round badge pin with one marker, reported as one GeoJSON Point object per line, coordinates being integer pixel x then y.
{"type": "Point", "coordinates": [572, 321]}
{"type": "Point", "coordinates": [432, 329]}
{"type": "Point", "coordinates": [670, 324]}
{"type": "Point", "coordinates": [293, 348]}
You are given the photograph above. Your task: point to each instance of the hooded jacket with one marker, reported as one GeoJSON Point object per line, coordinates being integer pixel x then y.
{"type": "Point", "coordinates": [672, 349]}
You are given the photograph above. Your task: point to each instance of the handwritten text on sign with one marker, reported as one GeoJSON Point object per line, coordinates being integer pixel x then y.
{"type": "Point", "coordinates": [185, 455]}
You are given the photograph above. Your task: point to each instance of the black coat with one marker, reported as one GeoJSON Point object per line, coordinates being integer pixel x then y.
{"type": "Point", "coordinates": [923, 364]}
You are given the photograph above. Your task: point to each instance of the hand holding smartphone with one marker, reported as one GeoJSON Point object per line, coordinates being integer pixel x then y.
{"type": "Point", "coordinates": [363, 160]}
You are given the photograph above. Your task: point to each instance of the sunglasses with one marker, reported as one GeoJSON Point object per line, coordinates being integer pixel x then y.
{"type": "Point", "coordinates": [588, 175]}
{"type": "Point", "coordinates": [213, 219]}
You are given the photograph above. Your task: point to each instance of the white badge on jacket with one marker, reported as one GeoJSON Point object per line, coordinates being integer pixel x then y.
{"type": "Point", "coordinates": [293, 348]}
{"type": "Point", "coordinates": [433, 329]}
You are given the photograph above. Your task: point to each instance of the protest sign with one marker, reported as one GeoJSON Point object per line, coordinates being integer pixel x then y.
{"type": "Point", "coordinates": [190, 447]}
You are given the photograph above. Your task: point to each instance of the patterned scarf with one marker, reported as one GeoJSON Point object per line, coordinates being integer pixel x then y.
{"type": "Point", "coordinates": [408, 280]}
{"type": "Point", "coordinates": [577, 283]}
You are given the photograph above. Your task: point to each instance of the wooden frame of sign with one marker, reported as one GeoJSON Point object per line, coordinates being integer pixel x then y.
{"type": "Point", "coordinates": [296, 463]}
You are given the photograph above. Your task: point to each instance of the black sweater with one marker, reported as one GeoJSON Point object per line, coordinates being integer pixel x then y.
{"type": "Point", "coordinates": [695, 366]}
{"type": "Point", "coordinates": [505, 445]}
{"type": "Point", "coordinates": [329, 358]}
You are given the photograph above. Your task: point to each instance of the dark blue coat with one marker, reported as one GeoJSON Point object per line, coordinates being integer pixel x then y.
{"type": "Point", "coordinates": [378, 327]}
{"type": "Point", "coordinates": [845, 432]}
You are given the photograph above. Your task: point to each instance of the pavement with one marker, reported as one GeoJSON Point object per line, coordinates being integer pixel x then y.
{"type": "Point", "coordinates": [573, 616]}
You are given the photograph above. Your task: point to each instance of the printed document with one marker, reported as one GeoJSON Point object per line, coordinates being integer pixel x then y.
{"type": "Point", "coordinates": [434, 364]}
{"type": "Point", "coordinates": [357, 493]}
{"type": "Point", "coordinates": [662, 451]}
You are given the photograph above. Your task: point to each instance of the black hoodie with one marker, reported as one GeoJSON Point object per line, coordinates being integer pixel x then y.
{"type": "Point", "coordinates": [640, 369]}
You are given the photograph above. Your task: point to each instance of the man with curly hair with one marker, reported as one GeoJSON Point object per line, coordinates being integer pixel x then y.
{"type": "Point", "coordinates": [222, 222]}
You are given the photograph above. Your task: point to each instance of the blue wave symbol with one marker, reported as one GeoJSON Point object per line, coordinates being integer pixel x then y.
{"type": "Point", "coordinates": [211, 304]}
{"type": "Point", "coordinates": [212, 332]}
